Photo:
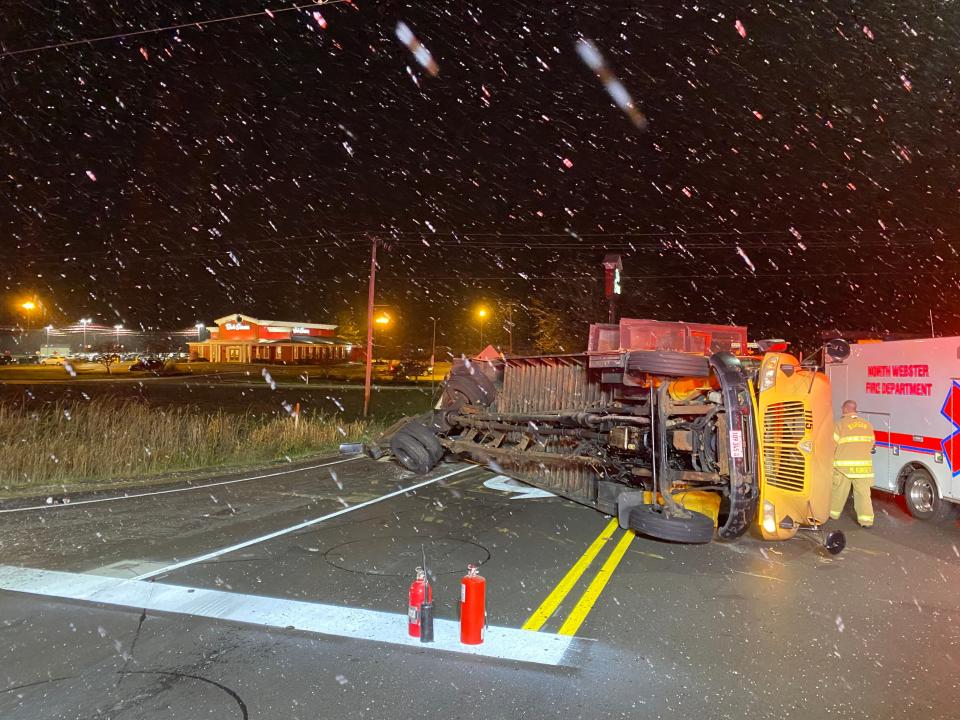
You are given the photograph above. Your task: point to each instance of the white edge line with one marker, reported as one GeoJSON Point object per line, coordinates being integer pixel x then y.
{"type": "Point", "coordinates": [177, 490]}
{"type": "Point", "coordinates": [502, 643]}
{"type": "Point", "coordinates": [294, 528]}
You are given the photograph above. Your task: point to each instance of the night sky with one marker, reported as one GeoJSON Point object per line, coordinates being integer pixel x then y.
{"type": "Point", "coordinates": [798, 171]}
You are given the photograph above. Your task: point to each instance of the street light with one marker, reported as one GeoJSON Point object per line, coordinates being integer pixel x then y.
{"type": "Point", "coordinates": [382, 320]}
{"type": "Point", "coordinates": [482, 314]}
{"type": "Point", "coordinates": [28, 307]}
{"type": "Point", "coordinates": [200, 328]}
{"type": "Point", "coordinates": [118, 328]}
{"type": "Point", "coordinates": [48, 328]}
{"type": "Point", "coordinates": [84, 322]}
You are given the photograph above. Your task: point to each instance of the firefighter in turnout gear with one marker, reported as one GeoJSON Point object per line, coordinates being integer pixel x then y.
{"type": "Point", "coordinates": [853, 464]}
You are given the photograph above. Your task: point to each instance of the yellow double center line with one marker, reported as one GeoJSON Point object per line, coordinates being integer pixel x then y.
{"type": "Point", "coordinates": [592, 593]}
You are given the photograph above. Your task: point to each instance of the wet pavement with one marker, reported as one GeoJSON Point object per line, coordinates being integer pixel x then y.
{"type": "Point", "coordinates": [727, 630]}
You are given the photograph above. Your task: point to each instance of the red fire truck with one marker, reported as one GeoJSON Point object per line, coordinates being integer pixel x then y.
{"type": "Point", "coordinates": [909, 390]}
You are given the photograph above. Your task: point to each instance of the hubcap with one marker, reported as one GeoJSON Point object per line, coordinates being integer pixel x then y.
{"type": "Point", "coordinates": [922, 494]}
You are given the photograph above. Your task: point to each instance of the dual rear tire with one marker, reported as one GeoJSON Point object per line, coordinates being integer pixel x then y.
{"type": "Point", "coordinates": [416, 448]}
{"type": "Point", "coordinates": [415, 445]}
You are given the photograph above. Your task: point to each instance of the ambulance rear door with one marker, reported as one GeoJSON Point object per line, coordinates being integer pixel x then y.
{"type": "Point", "coordinates": [951, 444]}
{"type": "Point", "coordinates": [928, 426]}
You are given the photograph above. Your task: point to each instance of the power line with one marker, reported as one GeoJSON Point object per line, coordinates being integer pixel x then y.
{"type": "Point", "coordinates": [671, 241]}
{"type": "Point", "coordinates": [196, 23]}
{"type": "Point", "coordinates": [677, 245]}
{"type": "Point", "coordinates": [701, 276]}
{"type": "Point", "coordinates": [176, 256]}
{"type": "Point", "coordinates": [180, 253]}
{"type": "Point", "coordinates": [513, 239]}
{"type": "Point", "coordinates": [706, 276]}
{"type": "Point", "coordinates": [574, 235]}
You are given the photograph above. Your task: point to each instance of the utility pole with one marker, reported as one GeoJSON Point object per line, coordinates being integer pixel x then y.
{"type": "Point", "coordinates": [370, 298]}
{"type": "Point", "coordinates": [510, 326]}
{"type": "Point", "coordinates": [433, 360]}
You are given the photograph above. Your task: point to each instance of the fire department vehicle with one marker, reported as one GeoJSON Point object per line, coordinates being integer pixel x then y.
{"type": "Point", "coordinates": [676, 428]}
{"type": "Point", "coordinates": [909, 390]}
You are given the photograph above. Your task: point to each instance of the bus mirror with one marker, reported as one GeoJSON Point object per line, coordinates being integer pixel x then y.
{"type": "Point", "coordinates": [838, 349]}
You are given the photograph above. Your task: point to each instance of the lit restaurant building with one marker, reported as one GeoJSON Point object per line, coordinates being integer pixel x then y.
{"type": "Point", "coordinates": [244, 339]}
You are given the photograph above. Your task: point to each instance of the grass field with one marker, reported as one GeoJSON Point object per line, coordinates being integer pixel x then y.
{"type": "Point", "coordinates": [67, 443]}
{"type": "Point", "coordinates": [347, 372]}
{"type": "Point", "coordinates": [211, 395]}
{"type": "Point", "coordinates": [128, 429]}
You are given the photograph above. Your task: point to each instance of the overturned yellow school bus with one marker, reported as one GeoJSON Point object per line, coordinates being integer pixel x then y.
{"type": "Point", "coordinates": [682, 430]}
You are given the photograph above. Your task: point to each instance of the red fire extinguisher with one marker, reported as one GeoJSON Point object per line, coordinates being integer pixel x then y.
{"type": "Point", "coordinates": [416, 599]}
{"type": "Point", "coordinates": [473, 607]}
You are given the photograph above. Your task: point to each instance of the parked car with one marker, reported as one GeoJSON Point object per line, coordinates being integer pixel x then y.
{"type": "Point", "coordinates": [53, 360]}
{"type": "Point", "coordinates": [6, 360]}
{"type": "Point", "coordinates": [28, 360]}
{"type": "Point", "coordinates": [408, 369]}
{"type": "Point", "coordinates": [147, 364]}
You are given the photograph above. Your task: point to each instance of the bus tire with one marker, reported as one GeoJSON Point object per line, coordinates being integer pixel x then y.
{"type": "Point", "coordinates": [923, 498]}
{"type": "Point", "coordinates": [427, 438]}
{"type": "Point", "coordinates": [651, 521]}
{"type": "Point", "coordinates": [411, 453]}
{"type": "Point", "coordinates": [467, 390]}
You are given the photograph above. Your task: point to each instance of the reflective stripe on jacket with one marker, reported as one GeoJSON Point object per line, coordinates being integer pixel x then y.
{"type": "Point", "coordinates": [855, 439]}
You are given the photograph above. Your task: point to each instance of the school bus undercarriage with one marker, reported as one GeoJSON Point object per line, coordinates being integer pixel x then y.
{"type": "Point", "coordinates": [676, 428]}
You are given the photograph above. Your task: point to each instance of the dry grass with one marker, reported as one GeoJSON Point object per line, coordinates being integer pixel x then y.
{"type": "Point", "coordinates": [111, 439]}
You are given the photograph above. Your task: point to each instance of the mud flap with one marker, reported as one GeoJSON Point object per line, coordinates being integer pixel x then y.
{"type": "Point", "coordinates": [626, 502]}
{"type": "Point", "coordinates": [607, 496]}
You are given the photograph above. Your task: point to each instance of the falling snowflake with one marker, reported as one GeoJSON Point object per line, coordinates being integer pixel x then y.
{"type": "Point", "coordinates": [591, 56]}
{"type": "Point", "coordinates": [420, 53]}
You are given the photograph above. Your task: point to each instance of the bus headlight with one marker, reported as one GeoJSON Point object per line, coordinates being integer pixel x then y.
{"type": "Point", "coordinates": [769, 518]}
{"type": "Point", "coordinates": [768, 372]}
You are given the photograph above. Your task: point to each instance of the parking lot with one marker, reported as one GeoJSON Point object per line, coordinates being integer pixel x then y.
{"type": "Point", "coordinates": [283, 594]}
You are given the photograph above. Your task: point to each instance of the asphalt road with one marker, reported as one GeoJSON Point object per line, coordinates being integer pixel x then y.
{"type": "Point", "coordinates": [729, 630]}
